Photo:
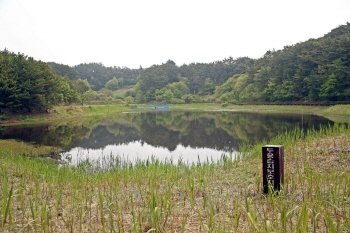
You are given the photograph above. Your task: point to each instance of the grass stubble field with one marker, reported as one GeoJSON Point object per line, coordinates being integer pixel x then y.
{"type": "Point", "coordinates": [114, 195]}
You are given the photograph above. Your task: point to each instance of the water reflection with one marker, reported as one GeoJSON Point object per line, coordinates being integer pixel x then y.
{"type": "Point", "coordinates": [137, 150]}
{"type": "Point", "coordinates": [162, 134]}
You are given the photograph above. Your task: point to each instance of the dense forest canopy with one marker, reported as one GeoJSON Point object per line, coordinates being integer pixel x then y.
{"type": "Point", "coordinates": [97, 74]}
{"type": "Point", "coordinates": [317, 69]}
{"type": "Point", "coordinates": [26, 84]}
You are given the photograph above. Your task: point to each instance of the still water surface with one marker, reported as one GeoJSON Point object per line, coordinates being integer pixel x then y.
{"type": "Point", "coordinates": [164, 135]}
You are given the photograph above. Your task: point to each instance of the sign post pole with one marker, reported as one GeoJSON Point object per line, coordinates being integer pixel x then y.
{"type": "Point", "coordinates": [273, 167]}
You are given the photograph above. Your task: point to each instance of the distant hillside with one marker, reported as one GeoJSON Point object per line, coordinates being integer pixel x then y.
{"type": "Point", "coordinates": [97, 74]}
{"type": "Point", "coordinates": [317, 69]}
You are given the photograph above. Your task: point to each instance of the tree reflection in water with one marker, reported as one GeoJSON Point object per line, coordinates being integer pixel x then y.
{"type": "Point", "coordinates": [163, 134]}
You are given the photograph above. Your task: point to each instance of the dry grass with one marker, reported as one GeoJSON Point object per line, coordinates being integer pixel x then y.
{"type": "Point", "coordinates": [205, 197]}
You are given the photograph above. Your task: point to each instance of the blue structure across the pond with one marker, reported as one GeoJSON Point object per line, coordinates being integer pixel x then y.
{"type": "Point", "coordinates": [155, 107]}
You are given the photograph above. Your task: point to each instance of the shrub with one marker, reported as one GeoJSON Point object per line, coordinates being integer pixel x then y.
{"type": "Point", "coordinates": [129, 100]}
{"type": "Point", "coordinates": [168, 96]}
{"type": "Point", "coordinates": [195, 98]}
{"type": "Point", "coordinates": [109, 93]}
{"type": "Point", "coordinates": [224, 97]}
{"type": "Point", "coordinates": [118, 101]}
{"type": "Point", "coordinates": [91, 95]}
{"type": "Point", "coordinates": [3, 117]}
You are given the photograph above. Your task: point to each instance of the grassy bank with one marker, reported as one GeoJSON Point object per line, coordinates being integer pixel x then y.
{"type": "Point", "coordinates": [91, 110]}
{"type": "Point", "coordinates": [340, 110]}
{"type": "Point", "coordinates": [223, 196]}
{"type": "Point", "coordinates": [67, 113]}
{"type": "Point", "coordinates": [338, 113]}
{"type": "Point", "coordinates": [23, 148]}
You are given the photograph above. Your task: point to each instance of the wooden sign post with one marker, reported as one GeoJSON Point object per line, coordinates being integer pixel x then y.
{"type": "Point", "coordinates": [273, 167]}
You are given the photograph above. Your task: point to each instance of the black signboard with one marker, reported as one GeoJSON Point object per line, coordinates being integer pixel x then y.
{"type": "Point", "coordinates": [273, 167]}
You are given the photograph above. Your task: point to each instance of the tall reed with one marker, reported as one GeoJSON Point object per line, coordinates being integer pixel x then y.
{"type": "Point", "coordinates": [117, 195]}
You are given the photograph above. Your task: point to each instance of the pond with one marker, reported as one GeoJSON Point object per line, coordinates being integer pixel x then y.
{"type": "Point", "coordinates": [174, 135]}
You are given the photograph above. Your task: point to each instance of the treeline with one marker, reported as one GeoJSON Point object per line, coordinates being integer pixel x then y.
{"type": "Point", "coordinates": [315, 70]}
{"type": "Point", "coordinates": [27, 84]}
{"type": "Point", "coordinates": [98, 75]}
{"type": "Point", "coordinates": [166, 82]}
{"type": "Point", "coordinates": [185, 83]}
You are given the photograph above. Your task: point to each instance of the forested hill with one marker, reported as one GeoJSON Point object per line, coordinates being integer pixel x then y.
{"type": "Point", "coordinates": [97, 74]}
{"type": "Point", "coordinates": [64, 70]}
{"type": "Point", "coordinates": [157, 77]}
{"type": "Point", "coordinates": [318, 69]}
{"type": "Point", "coordinates": [27, 84]}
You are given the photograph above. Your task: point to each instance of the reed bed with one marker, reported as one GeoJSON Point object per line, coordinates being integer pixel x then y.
{"type": "Point", "coordinates": [115, 195]}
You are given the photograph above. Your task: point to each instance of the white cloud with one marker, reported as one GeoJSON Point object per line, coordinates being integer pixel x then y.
{"type": "Point", "coordinates": [133, 33]}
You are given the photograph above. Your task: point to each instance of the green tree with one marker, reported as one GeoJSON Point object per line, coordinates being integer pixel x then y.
{"type": "Point", "coordinates": [91, 95]}
{"type": "Point", "coordinates": [153, 77]}
{"type": "Point", "coordinates": [82, 85]}
{"type": "Point", "coordinates": [129, 100]}
{"type": "Point", "coordinates": [112, 84]}
{"type": "Point", "coordinates": [168, 96]}
{"type": "Point", "coordinates": [195, 98]}
{"type": "Point", "coordinates": [139, 98]}
{"type": "Point", "coordinates": [329, 90]}
{"type": "Point", "coordinates": [121, 81]}
{"type": "Point", "coordinates": [177, 93]}
{"type": "Point", "coordinates": [63, 70]}
{"type": "Point", "coordinates": [109, 93]}
{"type": "Point", "coordinates": [181, 86]}
{"type": "Point", "coordinates": [149, 96]}
{"type": "Point", "coordinates": [26, 84]}
{"type": "Point", "coordinates": [225, 97]}
{"type": "Point", "coordinates": [208, 87]}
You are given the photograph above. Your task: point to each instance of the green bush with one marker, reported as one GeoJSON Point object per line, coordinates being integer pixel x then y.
{"type": "Point", "coordinates": [195, 99]}
{"type": "Point", "coordinates": [129, 100]}
{"type": "Point", "coordinates": [91, 95]}
{"type": "Point", "coordinates": [168, 96]}
{"type": "Point", "coordinates": [30, 118]}
{"type": "Point", "coordinates": [22, 118]}
{"type": "Point", "coordinates": [224, 97]}
{"type": "Point", "coordinates": [118, 101]}
{"type": "Point", "coordinates": [3, 117]}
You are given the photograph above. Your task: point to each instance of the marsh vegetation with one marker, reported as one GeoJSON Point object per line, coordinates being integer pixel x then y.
{"type": "Point", "coordinates": [153, 195]}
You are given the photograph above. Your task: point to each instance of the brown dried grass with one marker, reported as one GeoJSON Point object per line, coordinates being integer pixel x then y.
{"type": "Point", "coordinates": [206, 199]}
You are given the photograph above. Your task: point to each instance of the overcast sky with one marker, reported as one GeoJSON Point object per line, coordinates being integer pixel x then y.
{"type": "Point", "coordinates": [145, 32]}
